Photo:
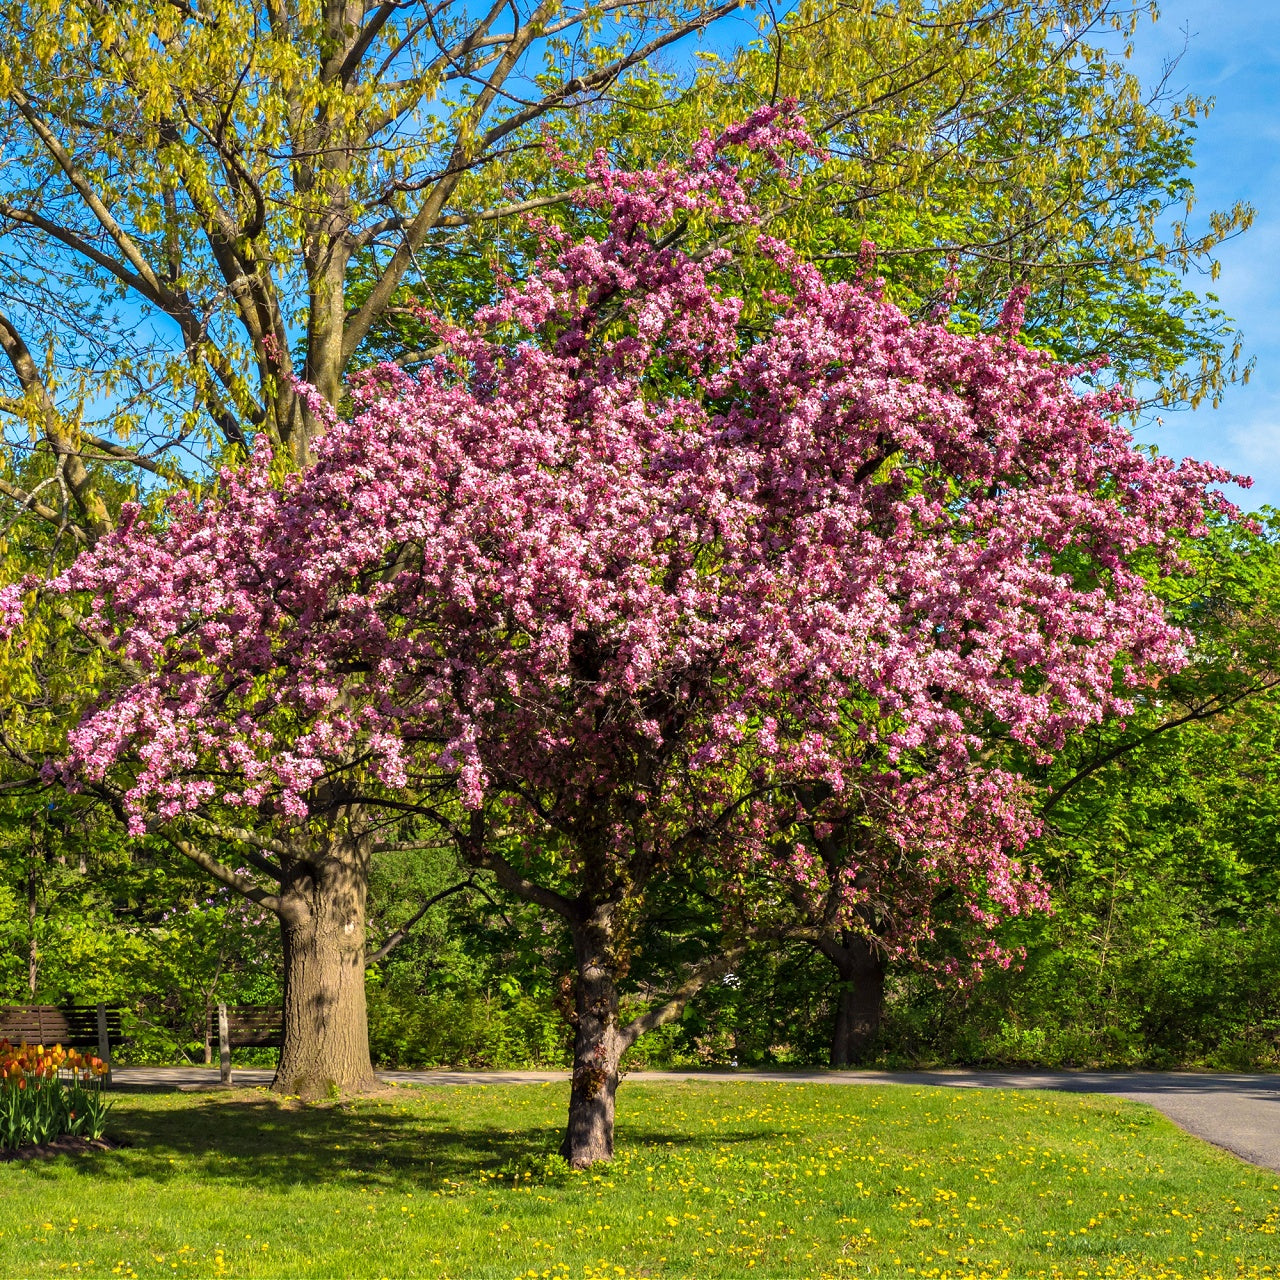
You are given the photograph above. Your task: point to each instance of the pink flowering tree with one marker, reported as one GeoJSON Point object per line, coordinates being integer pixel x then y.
{"type": "Point", "coordinates": [629, 577]}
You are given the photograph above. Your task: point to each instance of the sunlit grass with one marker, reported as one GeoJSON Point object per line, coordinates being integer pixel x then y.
{"type": "Point", "coordinates": [711, 1180]}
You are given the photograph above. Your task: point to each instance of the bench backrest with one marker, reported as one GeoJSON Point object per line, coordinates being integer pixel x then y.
{"type": "Point", "coordinates": [74, 1026]}
{"type": "Point", "coordinates": [250, 1026]}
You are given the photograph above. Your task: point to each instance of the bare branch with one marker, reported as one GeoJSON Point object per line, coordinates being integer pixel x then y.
{"type": "Point", "coordinates": [706, 972]}
{"type": "Point", "coordinates": [605, 75]}
{"type": "Point", "coordinates": [370, 233]}
{"type": "Point", "coordinates": [1204, 712]}
{"type": "Point", "coordinates": [118, 452]}
{"type": "Point", "coordinates": [29, 502]}
{"type": "Point", "coordinates": [403, 932]}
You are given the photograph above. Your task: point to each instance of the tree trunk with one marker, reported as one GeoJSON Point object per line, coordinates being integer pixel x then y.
{"type": "Point", "coordinates": [597, 1045]}
{"type": "Point", "coordinates": [860, 1000]}
{"type": "Point", "coordinates": [326, 1029]}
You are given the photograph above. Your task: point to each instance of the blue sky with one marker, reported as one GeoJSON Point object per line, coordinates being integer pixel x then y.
{"type": "Point", "coordinates": [1233, 56]}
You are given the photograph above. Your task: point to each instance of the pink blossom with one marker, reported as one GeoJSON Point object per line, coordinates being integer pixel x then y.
{"type": "Point", "coordinates": [648, 577]}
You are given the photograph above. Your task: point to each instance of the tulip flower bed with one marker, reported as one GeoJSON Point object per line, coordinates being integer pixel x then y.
{"type": "Point", "coordinates": [719, 1181]}
{"type": "Point", "coordinates": [49, 1093]}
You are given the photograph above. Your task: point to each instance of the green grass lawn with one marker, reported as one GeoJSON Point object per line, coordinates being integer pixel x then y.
{"type": "Point", "coordinates": [710, 1180]}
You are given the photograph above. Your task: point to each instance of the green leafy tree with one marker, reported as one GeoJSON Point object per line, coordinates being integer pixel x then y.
{"type": "Point", "coordinates": [1022, 150]}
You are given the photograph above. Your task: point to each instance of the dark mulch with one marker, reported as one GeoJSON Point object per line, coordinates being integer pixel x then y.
{"type": "Point", "coordinates": [59, 1147]}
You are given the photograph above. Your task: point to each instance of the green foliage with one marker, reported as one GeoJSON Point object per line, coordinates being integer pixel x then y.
{"type": "Point", "coordinates": [1161, 844]}
{"type": "Point", "coordinates": [472, 1029]}
{"type": "Point", "coordinates": [88, 916]}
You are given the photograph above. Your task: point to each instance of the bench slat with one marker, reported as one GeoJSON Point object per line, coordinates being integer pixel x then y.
{"type": "Point", "coordinates": [250, 1026]}
{"type": "Point", "coordinates": [72, 1025]}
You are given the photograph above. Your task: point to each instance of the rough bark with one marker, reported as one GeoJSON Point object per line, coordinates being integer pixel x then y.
{"type": "Point", "coordinates": [597, 1045]}
{"type": "Point", "coordinates": [322, 919]}
{"type": "Point", "coordinates": [860, 1001]}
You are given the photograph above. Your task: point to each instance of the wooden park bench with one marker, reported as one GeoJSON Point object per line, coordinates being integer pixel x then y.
{"type": "Point", "coordinates": [245, 1026]}
{"type": "Point", "coordinates": [72, 1026]}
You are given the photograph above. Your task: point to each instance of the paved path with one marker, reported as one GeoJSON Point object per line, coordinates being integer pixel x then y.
{"type": "Point", "coordinates": [1238, 1112]}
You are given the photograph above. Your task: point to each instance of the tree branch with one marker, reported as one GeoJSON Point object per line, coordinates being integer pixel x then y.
{"type": "Point", "coordinates": [218, 870]}
{"type": "Point", "coordinates": [513, 882]}
{"type": "Point", "coordinates": [206, 862]}
{"type": "Point", "coordinates": [468, 219]}
{"type": "Point", "coordinates": [605, 75]}
{"type": "Point", "coordinates": [123, 242]}
{"type": "Point", "coordinates": [708, 971]}
{"type": "Point", "coordinates": [30, 503]}
{"type": "Point", "coordinates": [70, 464]}
{"type": "Point", "coordinates": [1200, 713]}
{"type": "Point", "coordinates": [244, 836]}
{"type": "Point", "coordinates": [118, 452]}
{"type": "Point", "coordinates": [403, 932]}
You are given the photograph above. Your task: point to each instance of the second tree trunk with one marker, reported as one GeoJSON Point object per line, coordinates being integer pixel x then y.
{"type": "Point", "coordinates": [859, 1001]}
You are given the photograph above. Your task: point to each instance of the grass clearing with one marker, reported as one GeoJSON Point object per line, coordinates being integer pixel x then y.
{"type": "Point", "coordinates": [710, 1180]}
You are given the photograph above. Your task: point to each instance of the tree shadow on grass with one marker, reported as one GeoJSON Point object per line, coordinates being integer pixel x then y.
{"type": "Point", "coordinates": [660, 1140]}
{"type": "Point", "coordinates": [259, 1141]}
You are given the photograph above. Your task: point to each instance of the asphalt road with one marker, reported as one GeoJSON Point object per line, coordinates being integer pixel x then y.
{"type": "Point", "coordinates": [1238, 1112]}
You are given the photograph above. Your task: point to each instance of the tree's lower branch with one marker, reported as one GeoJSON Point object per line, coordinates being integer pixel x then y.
{"type": "Point", "coordinates": [708, 971]}
{"type": "Point", "coordinates": [513, 882]}
{"type": "Point", "coordinates": [403, 932]}
{"type": "Point", "coordinates": [218, 870]}
{"type": "Point", "coordinates": [242, 835]}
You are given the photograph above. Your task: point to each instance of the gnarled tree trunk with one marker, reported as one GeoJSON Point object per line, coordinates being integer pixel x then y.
{"type": "Point", "coordinates": [597, 1044]}
{"type": "Point", "coordinates": [860, 1000]}
{"type": "Point", "coordinates": [322, 919]}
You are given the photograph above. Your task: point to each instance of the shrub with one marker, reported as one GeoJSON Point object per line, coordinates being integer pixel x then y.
{"type": "Point", "coordinates": [468, 1029]}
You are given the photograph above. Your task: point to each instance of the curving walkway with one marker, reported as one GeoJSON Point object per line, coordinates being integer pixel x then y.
{"type": "Point", "coordinates": [1236, 1111]}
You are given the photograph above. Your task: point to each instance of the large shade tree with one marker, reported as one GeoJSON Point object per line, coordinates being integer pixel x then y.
{"type": "Point", "coordinates": [211, 169]}
{"type": "Point", "coordinates": [614, 584]}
